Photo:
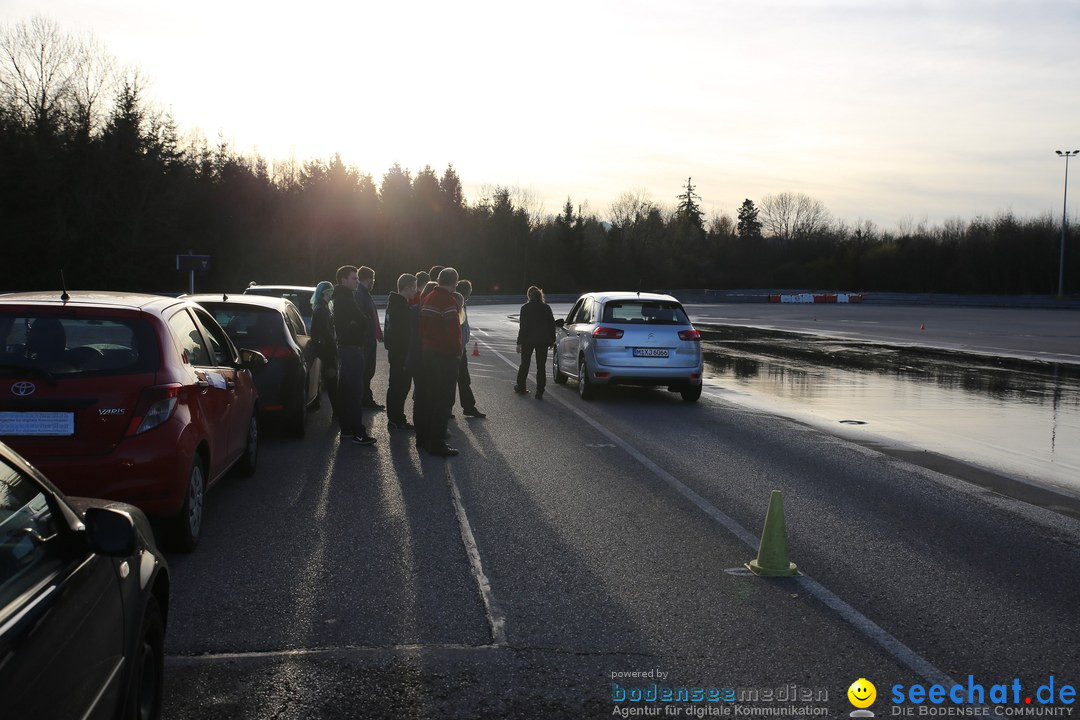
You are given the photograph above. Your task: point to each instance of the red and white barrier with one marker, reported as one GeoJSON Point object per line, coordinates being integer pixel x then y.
{"type": "Point", "coordinates": [817, 298]}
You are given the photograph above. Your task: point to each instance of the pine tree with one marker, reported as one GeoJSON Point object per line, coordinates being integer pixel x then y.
{"type": "Point", "coordinates": [749, 227]}
{"type": "Point", "coordinates": [689, 211]}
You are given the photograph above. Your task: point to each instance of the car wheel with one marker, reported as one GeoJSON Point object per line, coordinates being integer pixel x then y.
{"type": "Point", "coordinates": [148, 668]}
{"type": "Point", "coordinates": [189, 521]}
{"type": "Point", "coordinates": [691, 393]}
{"type": "Point", "coordinates": [556, 374]}
{"type": "Point", "coordinates": [585, 389]}
{"type": "Point", "coordinates": [245, 466]}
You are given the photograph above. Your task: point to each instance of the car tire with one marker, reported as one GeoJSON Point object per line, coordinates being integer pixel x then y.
{"type": "Point", "coordinates": [586, 389]}
{"type": "Point", "coordinates": [188, 524]}
{"type": "Point", "coordinates": [316, 404]}
{"type": "Point", "coordinates": [691, 393]}
{"type": "Point", "coordinates": [147, 682]}
{"type": "Point", "coordinates": [245, 466]}
{"type": "Point", "coordinates": [557, 375]}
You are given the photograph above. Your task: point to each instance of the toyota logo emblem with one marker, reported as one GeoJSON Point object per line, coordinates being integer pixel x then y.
{"type": "Point", "coordinates": [24, 388]}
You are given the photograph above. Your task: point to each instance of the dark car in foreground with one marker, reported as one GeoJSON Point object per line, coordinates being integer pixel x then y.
{"type": "Point", "coordinates": [291, 381]}
{"type": "Point", "coordinates": [137, 398]}
{"type": "Point", "coordinates": [84, 598]}
{"type": "Point", "coordinates": [627, 338]}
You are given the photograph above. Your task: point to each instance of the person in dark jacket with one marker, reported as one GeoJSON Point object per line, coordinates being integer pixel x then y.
{"type": "Point", "coordinates": [464, 381]}
{"type": "Point", "coordinates": [396, 336]}
{"type": "Point", "coordinates": [414, 364]}
{"type": "Point", "coordinates": [325, 339]}
{"type": "Point", "coordinates": [374, 332]}
{"type": "Point", "coordinates": [351, 326]}
{"type": "Point", "coordinates": [536, 333]}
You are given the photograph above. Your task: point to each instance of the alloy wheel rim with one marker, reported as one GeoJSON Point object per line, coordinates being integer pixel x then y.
{"type": "Point", "coordinates": [195, 500]}
{"type": "Point", "coordinates": [253, 437]}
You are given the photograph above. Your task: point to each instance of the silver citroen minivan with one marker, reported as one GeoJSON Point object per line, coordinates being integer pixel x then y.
{"type": "Point", "coordinates": [626, 338]}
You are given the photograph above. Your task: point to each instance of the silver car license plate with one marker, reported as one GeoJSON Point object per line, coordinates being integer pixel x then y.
{"type": "Point", "coordinates": [37, 423]}
{"type": "Point", "coordinates": [651, 352]}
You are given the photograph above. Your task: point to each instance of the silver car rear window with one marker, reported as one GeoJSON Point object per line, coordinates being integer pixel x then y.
{"type": "Point", "coordinates": [645, 312]}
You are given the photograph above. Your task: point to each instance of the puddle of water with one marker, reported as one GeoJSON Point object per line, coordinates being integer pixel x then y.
{"type": "Point", "coordinates": [1017, 417]}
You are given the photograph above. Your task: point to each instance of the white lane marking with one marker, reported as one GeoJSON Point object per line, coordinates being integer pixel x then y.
{"type": "Point", "coordinates": [495, 617]}
{"type": "Point", "coordinates": [874, 632]}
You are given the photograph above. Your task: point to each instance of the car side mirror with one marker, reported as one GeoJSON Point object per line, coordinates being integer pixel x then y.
{"type": "Point", "coordinates": [111, 532]}
{"type": "Point", "coordinates": [252, 359]}
{"type": "Point", "coordinates": [560, 323]}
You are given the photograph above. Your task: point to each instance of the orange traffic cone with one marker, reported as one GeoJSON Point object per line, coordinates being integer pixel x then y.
{"type": "Point", "coordinates": [476, 348]}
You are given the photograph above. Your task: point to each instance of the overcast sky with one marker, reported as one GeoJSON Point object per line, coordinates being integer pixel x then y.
{"type": "Point", "coordinates": [884, 110]}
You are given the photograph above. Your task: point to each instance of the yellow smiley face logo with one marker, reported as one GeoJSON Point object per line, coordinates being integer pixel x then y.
{"type": "Point", "coordinates": [862, 693]}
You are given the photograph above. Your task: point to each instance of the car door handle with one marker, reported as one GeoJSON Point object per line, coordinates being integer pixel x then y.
{"type": "Point", "coordinates": [230, 384]}
{"type": "Point", "coordinates": [203, 384]}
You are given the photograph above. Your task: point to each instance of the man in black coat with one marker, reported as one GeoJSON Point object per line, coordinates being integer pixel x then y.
{"type": "Point", "coordinates": [374, 332]}
{"type": "Point", "coordinates": [464, 381]}
{"type": "Point", "coordinates": [352, 327]}
{"type": "Point", "coordinates": [397, 335]}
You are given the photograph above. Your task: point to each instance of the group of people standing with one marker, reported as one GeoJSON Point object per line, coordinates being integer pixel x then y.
{"type": "Point", "coordinates": [426, 338]}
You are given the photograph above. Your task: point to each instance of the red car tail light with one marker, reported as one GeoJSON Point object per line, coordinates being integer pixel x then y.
{"type": "Point", "coordinates": [690, 334]}
{"type": "Point", "coordinates": [275, 351]}
{"type": "Point", "coordinates": [155, 406]}
{"type": "Point", "coordinates": [606, 333]}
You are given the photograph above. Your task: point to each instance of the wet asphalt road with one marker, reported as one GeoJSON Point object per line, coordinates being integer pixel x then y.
{"type": "Point", "coordinates": [570, 541]}
{"type": "Point", "coordinates": [1042, 334]}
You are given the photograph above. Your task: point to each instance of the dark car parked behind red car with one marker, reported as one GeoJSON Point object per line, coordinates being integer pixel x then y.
{"type": "Point", "coordinates": [138, 398]}
{"type": "Point", "coordinates": [290, 382]}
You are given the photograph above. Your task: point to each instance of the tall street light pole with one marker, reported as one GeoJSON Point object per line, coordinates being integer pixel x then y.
{"type": "Point", "coordinates": [1065, 206]}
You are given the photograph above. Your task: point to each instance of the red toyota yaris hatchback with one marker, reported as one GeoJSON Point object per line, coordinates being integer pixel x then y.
{"type": "Point", "coordinates": [138, 398]}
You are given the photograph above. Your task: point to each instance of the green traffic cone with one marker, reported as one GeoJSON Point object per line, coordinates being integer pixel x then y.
{"type": "Point", "coordinates": [772, 558]}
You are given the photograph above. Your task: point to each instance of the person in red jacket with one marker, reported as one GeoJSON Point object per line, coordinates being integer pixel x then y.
{"type": "Point", "coordinates": [440, 338]}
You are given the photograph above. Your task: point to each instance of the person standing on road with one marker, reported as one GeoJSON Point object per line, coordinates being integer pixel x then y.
{"type": "Point", "coordinates": [440, 335]}
{"type": "Point", "coordinates": [536, 333]}
{"type": "Point", "coordinates": [414, 363]}
{"type": "Point", "coordinates": [351, 325]}
{"type": "Point", "coordinates": [464, 382]}
{"type": "Point", "coordinates": [374, 333]}
{"type": "Point", "coordinates": [397, 335]}
{"type": "Point", "coordinates": [322, 334]}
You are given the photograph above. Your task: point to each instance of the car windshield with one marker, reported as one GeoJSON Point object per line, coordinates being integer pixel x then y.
{"type": "Point", "coordinates": [250, 327]}
{"type": "Point", "coordinates": [642, 311]}
{"type": "Point", "coordinates": [53, 345]}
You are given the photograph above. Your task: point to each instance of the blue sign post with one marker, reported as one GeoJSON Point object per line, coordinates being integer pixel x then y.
{"type": "Point", "coordinates": [191, 263]}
